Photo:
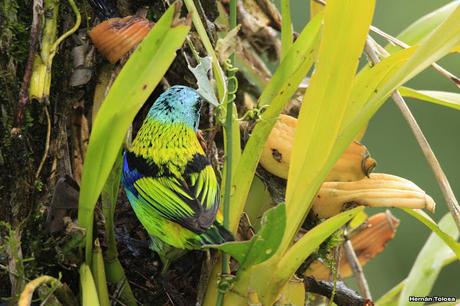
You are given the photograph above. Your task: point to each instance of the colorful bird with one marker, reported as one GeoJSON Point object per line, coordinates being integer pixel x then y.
{"type": "Point", "coordinates": [167, 177]}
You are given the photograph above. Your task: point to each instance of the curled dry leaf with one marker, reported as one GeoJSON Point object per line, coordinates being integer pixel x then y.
{"type": "Point", "coordinates": [354, 164]}
{"type": "Point", "coordinates": [377, 190]}
{"type": "Point", "coordinates": [368, 241]}
{"type": "Point", "coordinates": [115, 37]}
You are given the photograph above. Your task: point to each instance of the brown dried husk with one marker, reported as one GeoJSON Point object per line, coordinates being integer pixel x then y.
{"type": "Point", "coordinates": [115, 37]}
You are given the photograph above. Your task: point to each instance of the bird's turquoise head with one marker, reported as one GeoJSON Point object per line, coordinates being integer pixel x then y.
{"type": "Point", "coordinates": [178, 104]}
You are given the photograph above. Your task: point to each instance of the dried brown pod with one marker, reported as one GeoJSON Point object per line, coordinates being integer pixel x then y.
{"type": "Point", "coordinates": [368, 241]}
{"type": "Point", "coordinates": [115, 37]}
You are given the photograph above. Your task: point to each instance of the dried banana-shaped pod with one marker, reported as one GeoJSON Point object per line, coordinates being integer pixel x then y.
{"type": "Point", "coordinates": [377, 190]}
{"type": "Point", "coordinates": [115, 37]}
{"type": "Point", "coordinates": [368, 241]}
{"type": "Point", "coordinates": [354, 164]}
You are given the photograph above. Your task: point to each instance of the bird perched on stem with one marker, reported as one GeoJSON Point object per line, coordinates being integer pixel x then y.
{"type": "Point", "coordinates": [167, 177]}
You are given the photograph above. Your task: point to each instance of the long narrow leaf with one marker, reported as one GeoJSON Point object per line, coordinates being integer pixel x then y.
{"type": "Point", "coordinates": [370, 80]}
{"type": "Point", "coordinates": [422, 27]}
{"type": "Point", "coordinates": [449, 236]}
{"type": "Point", "coordinates": [430, 260]}
{"type": "Point", "coordinates": [303, 248]}
{"type": "Point", "coordinates": [136, 81]}
{"type": "Point", "coordinates": [444, 98]}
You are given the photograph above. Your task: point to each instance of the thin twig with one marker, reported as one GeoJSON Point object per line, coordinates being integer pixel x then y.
{"type": "Point", "coordinates": [37, 9]}
{"type": "Point", "coordinates": [47, 143]}
{"type": "Point", "coordinates": [439, 174]}
{"type": "Point", "coordinates": [356, 268]}
{"type": "Point", "coordinates": [403, 45]}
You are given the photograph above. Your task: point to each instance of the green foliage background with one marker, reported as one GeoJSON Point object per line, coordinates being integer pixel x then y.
{"type": "Point", "coordinates": [391, 143]}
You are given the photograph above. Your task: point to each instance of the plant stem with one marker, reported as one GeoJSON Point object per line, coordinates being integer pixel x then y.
{"type": "Point", "coordinates": [436, 67]}
{"type": "Point", "coordinates": [439, 174]}
{"type": "Point", "coordinates": [228, 129]}
{"type": "Point", "coordinates": [357, 269]}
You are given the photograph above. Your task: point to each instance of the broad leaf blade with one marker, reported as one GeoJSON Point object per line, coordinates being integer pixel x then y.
{"type": "Point", "coordinates": [136, 81]}
{"type": "Point", "coordinates": [264, 244]}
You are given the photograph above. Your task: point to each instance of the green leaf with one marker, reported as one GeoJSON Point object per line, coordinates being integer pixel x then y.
{"type": "Point", "coordinates": [346, 26]}
{"type": "Point", "coordinates": [429, 262]}
{"type": "Point", "coordinates": [368, 84]}
{"type": "Point", "coordinates": [276, 94]}
{"type": "Point", "coordinates": [306, 245]}
{"type": "Point", "coordinates": [264, 244]}
{"type": "Point", "coordinates": [88, 287]}
{"type": "Point", "coordinates": [444, 98]}
{"type": "Point", "coordinates": [447, 232]}
{"type": "Point", "coordinates": [138, 78]}
{"type": "Point", "coordinates": [424, 26]}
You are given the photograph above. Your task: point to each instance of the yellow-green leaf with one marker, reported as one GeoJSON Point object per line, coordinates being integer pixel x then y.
{"type": "Point", "coordinates": [422, 27]}
{"type": "Point", "coordinates": [445, 98]}
{"type": "Point", "coordinates": [138, 78]}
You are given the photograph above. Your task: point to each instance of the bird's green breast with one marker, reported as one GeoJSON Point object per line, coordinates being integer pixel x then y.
{"type": "Point", "coordinates": [170, 146]}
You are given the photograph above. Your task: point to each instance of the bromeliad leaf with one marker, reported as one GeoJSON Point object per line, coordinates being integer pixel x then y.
{"type": "Point", "coordinates": [264, 244]}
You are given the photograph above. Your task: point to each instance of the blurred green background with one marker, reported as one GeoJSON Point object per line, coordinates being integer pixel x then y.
{"type": "Point", "coordinates": [391, 143]}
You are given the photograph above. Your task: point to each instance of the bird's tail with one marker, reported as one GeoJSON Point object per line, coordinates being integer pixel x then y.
{"type": "Point", "coordinates": [216, 234]}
